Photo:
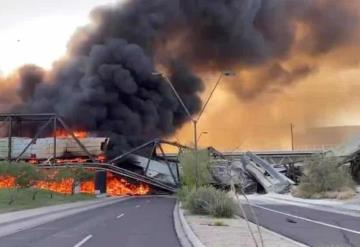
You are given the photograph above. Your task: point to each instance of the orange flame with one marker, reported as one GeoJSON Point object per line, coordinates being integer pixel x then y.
{"type": "Point", "coordinates": [7, 182]}
{"type": "Point", "coordinates": [87, 187]}
{"type": "Point", "coordinates": [63, 187]}
{"type": "Point", "coordinates": [116, 186]}
{"type": "Point", "coordinates": [78, 133]}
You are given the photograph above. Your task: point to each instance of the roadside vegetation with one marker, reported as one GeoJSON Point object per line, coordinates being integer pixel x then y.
{"type": "Point", "coordinates": [24, 199]}
{"type": "Point", "coordinates": [188, 160]}
{"type": "Point", "coordinates": [206, 200]}
{"type": "Point", "coordinates": [325, 178]}
{"type": "Point", "coordinates": [22, 192]}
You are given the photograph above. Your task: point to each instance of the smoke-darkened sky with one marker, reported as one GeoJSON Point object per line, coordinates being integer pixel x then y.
{"type": "Point", "coordinates": [296, 61]}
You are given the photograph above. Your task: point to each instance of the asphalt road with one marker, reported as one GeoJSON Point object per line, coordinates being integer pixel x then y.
{"type": "Point", "coordinates": [312, 227]}
{"type": "Point", "coordinates": [136, 222]}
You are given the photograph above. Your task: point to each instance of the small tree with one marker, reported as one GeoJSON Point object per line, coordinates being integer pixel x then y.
{"type": "Point", "coordinates": [77, 175]}
{"type": "Point", "coordinates": [81, 175]}
{"type": "Point", "coordinates": [188, 167]}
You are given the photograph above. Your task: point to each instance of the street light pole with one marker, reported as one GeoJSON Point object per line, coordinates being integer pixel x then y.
{"type": "Point", "coordinates": [194, 120]}
{"type": "Point", "coordinates": [200, 135]}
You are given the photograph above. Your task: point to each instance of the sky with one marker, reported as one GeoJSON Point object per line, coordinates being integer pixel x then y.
{"type": "Point", "coordinates": [37, 31]}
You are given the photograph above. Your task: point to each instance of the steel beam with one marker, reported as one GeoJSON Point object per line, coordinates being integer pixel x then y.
{"type": "Point", "coordinates": [42, 128]}
{"type": "Point", "coordinates": [66, 127]}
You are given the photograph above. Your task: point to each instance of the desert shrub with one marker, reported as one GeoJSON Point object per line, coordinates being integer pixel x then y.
{"type": "Point", "coordinates": [210, 201]}
{"type": "Point", "coordinates": [323, 178]}
{"type": "Point", "coordinates": [182, 193]}
{"type": "Point", "coordinates": [223, 206]}
{"type": "Point", "coordinates": [188, 167]}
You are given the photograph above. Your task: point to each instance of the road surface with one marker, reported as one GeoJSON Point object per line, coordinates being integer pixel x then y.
{"type": "Point", "coordinates": [312, 227]}
{"type": "Point", "coordinates": [137, 222]}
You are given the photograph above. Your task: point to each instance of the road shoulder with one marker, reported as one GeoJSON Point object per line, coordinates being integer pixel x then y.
{"type": "Point", "coordinates": [202, 231]}
{"type": "Point", "coordinates": [11, 223]}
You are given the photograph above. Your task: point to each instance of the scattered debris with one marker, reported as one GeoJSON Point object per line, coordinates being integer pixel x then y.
{"type": "Point", "coordinates": [247, 173]}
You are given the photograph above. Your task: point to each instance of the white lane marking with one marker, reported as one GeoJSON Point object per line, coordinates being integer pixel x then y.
{"type": "Point", "coordinates": [119, 216]}
{"type": "Point", "coordinates": [138, 206]}
{"type": "Point", "coordinates": [83, 241]}
{"type": "Point", "coordinates": [309, 220]}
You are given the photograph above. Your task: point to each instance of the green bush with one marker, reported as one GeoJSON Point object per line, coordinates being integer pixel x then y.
{"type": "Point", "coordinates": [209, 201]}
{"type": "Point", "coordinates": [322, 177]}
{"type": "Point", "coordinates": [188, 167]}
{"type": "Point", "coordinates": [182, 193]}
{"type": "Point", "coordinates": [223, 206]}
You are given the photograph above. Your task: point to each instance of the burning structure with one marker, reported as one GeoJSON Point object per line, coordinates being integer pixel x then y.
{"type": "Point", "coordinates": [74, 149]}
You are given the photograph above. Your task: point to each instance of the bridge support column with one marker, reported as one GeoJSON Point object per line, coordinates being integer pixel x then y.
{"type": "Point", "coordinates": [100, 182]}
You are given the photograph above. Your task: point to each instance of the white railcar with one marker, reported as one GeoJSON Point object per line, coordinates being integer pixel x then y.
{"type": "Point", "coordinates": [43, 148]}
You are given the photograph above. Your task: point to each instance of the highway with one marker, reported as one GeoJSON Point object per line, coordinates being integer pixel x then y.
{"type": "Point", "coordinates": [136, 222]}
{"type": "Point", "coordinates": [312, 227]}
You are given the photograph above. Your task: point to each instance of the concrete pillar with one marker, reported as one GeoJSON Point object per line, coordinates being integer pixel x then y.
{"type": "Point", "coordinates": [100, 182]}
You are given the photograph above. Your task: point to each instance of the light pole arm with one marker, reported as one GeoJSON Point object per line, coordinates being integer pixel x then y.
{"type": "Point", "coordinates": [178, 97]}
{"type": "Point", "coordinates": [211, 94]}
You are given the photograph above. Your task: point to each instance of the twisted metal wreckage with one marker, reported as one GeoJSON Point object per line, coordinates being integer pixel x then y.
{"type": "Point", "coordinates": [149, 164]}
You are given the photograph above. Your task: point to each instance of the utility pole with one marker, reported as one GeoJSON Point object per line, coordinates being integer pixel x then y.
{"type": "Point", "coordinates": [292, 136]}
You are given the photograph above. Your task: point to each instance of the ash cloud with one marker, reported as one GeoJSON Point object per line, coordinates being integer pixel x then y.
{"type": "Point", "coordinates": [105, 84]}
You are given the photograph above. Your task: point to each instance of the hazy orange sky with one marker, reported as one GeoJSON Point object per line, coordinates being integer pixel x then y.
{"type": "Point", "coordinates": [36, 31]}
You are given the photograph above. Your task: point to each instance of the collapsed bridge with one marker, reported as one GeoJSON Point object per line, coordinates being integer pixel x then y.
{"type": "Point", "coordinates": [68, 149]}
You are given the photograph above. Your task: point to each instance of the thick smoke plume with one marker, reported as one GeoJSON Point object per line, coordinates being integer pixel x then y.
{"type": "Point", "coordinates": [106, 83]}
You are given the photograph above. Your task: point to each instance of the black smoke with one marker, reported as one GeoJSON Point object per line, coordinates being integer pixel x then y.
{"type": "Point", "coordinates": [106, 83]}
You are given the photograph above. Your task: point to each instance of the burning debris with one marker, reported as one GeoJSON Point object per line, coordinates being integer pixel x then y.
{"type": "Point", "coordinates": [115, 186]}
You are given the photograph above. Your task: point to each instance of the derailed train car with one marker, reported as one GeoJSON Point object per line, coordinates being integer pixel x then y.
{"type": "Point", "coordinates": [43, 148]}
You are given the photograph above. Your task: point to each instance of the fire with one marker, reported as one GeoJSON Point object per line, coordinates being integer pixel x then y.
{"type": "Point", "coordinates": [78, 133]}
{"type": "Point", "coordinates": [101, 158]}
{"type": "Point", "coordinates": [33, 161]}
{"type": "Point", "coordinates": [87, 187]}
{"type": "Point", "coordinates": [7, 182]}
{"type": "Point", "coordinates": [64, 187]}
{"type": "Point", "coordinates": [116, 186]}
